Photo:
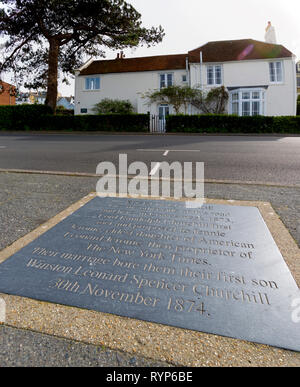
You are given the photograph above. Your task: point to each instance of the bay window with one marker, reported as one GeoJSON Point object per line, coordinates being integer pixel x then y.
{"type": "Point", "coordinates": [247, 102]}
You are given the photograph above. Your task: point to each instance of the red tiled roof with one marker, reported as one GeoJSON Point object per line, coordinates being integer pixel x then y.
{"type": "Point", "coordinates": [149, 63]}
{"type": "Point", "coordinates": [220, 51]}
{"type": "Point", "coordinates": [236, 50]}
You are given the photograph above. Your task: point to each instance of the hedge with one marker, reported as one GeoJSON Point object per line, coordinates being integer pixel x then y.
{"type": "Point", "coordinates": [22, 117]}
{"type": "Point", "coordinates": [40, 117]}
{"type": "Point", "coordinates": [107, 122]}
{"type": "Point", "coordinates": [232, 124]}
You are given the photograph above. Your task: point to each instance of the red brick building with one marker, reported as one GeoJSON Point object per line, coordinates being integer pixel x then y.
{"type": "Point", "coordinates": [7, 94]}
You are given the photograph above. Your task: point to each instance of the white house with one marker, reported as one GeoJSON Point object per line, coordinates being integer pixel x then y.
{"type": "Point", "coordinates": [260, 77]}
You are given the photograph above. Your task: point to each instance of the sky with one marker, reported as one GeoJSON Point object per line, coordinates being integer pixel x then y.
{"type": "Point", "coordinates": [189, 24]}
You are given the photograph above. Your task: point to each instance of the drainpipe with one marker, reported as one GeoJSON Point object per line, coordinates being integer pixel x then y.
{"type": "Point", "coordinates": [189, 81]}
{"type": "Point", "coordinates": [201, 62]}
{"type": "Point", "coordinates": [187, 70]}
{"type": "Point", "coordinates": [295, 83]}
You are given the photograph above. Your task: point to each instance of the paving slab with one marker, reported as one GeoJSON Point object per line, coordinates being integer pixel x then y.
{"type": "Point", "coordinates": [157, 342]}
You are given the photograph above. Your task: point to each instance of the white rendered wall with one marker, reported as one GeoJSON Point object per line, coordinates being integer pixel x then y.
{"type": "Point", "coordinates": [124, 86]}
{"type": "Point", "coordinates": [280, 97]}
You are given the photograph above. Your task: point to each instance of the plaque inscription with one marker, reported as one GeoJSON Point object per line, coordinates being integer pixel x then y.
{"type": "Point", "coordinates": [214, 269]}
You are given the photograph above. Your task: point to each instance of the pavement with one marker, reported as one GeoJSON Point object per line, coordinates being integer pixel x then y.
{"type": "Point", "coordinates": [28, 200]}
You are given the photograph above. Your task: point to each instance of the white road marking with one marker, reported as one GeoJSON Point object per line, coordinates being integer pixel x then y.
{"type": "Point", "coordinates": [154, 170]}
{"type": "Point", "coordinates": [166, 153]}
{"type": "Point", "coordinates": [171, 150]}
{"type": "Point", "coordinates": [2, 147]}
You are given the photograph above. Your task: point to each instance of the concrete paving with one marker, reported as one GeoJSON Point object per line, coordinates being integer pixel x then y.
{"type": "Point", "coordinates": [28, 200]}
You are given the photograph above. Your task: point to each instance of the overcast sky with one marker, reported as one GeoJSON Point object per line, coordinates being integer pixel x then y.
{"type": "Point", "coordinates": [191, 23]}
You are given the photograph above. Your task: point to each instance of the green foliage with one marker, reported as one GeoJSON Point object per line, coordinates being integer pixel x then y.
{"type": "Point", "coordinates": [177, 96]}
{"type": "Point", "coordinates": [232, 124]}
{"type": "Point", "coordinates": [113, 106]}
{"type": "Point", "coordinates": [43, 38]}
{"type": "Point", "coordinates": [214, 101]}
{"type": "Point", "coordinates": [39, 117]}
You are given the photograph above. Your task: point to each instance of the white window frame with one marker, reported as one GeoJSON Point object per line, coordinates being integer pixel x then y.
{"type": "Point", "coordinates": [242, 98]}
{"type": "Point", "coordinates": [214, 69]}
{"type": "Point", "coordinates": [165, 75]}
{"type": "Point", "coordinates": [277, 79]}
{"type": "Point", "coordinates": [93, 84]}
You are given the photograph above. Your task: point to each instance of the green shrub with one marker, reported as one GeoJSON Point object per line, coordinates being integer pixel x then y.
{"type": "Point", "coordinates": [232, 124]}
{"type": "Point", "coordinates": [113, 106]}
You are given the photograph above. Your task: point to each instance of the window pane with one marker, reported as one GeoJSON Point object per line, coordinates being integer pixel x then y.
{"type": "Point", "coordinates": [246, 95]}
{"type": "Point", "coordinates": [272, 72]}
{"type": "Point", "coordinates": [246, 109]}
{"type": "Point", "coordinates": [161, 112]}
{"type": "Point", "coordinates": [162, 80]}
{"type": "Point", "coordinates": [170, 79]}
{"type": "Point", "coordinates": [279, 71]}
{"type": "Point", "coordinates": [235, 96]}
{"type": "Point", "coordinates": [235, 108]}
{"type": "Point", "coordinates": [218, 75]}
{"type": "Point", "coordinates": [255, 95]}
{"type": "Point", "coordinates": [210, 75]}
{"type": "Point", "coordinates": [92, 83]}
{"type": "Point", "coordinates": [255, 108]}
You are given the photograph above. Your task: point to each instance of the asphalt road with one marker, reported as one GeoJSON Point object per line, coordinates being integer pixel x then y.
{"type": "Point", "coordinates": [239, 158]}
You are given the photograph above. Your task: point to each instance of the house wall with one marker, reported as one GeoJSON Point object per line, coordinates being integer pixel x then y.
{"type": "Point", "coordinates": [5, 97]}
{"type": "Point", "coordinates": [280, 98]}
{"type": "Point", "coordinates": [128, 85]}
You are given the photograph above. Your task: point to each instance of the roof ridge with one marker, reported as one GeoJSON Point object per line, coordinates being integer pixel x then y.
{"type": "Point", "coordinates": [140, 57]}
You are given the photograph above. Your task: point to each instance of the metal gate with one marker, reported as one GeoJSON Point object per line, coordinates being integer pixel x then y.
{"type": "Point", "coordinates": [157, 124]}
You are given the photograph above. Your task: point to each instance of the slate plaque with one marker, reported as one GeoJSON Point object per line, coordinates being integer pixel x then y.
{"type": "Point", "coordinates": [214, 269]}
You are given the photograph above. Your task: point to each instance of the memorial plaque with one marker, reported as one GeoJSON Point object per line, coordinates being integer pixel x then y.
{"type": "Point", "coordinates": [213, 269]}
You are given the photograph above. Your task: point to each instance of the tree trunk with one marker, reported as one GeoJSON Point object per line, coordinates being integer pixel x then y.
{"type": "Point", "coordinates": [52, 74]}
